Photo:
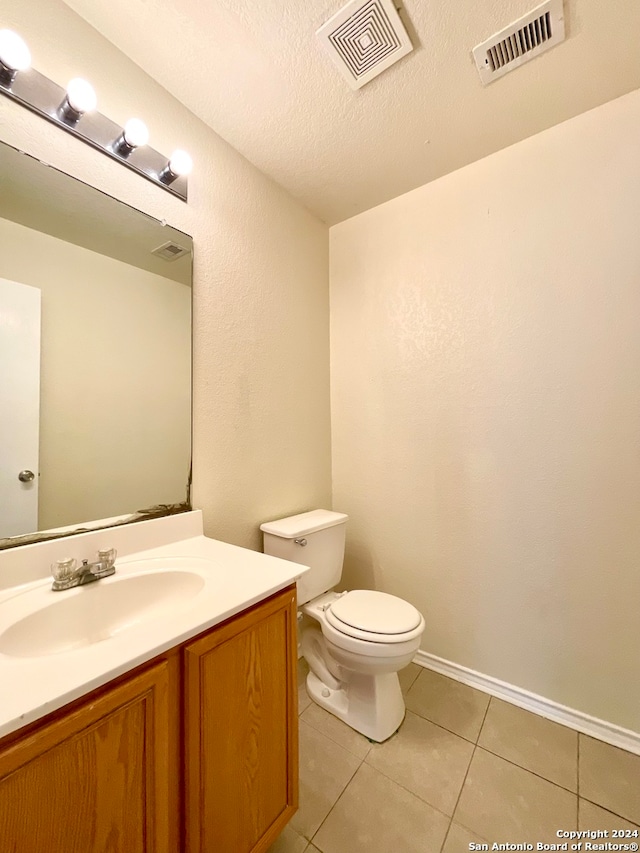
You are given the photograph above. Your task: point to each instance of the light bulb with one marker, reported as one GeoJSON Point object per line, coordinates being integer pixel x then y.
{"type": "Point", "coordinates": [135, 133]}
{"type": "Point", "coordinates": [81, 96]}
{"type": "Point", "coordinates": [14, 56]}
{"type": "Point", "coordinates": [180, 163]}
{"type": "Point", "coordinates": [14, 53]}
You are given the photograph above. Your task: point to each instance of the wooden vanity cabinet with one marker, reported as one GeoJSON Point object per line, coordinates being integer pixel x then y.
{"type": "Point", "coordinates": [241, 731]}
{"type": "Point", "coordinates": [96, 778]}
{"type": "Point", "coordinates": [196, 751]}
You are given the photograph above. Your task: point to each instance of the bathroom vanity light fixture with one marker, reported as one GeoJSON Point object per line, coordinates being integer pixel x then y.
{"type": "Point", "coordinates": [180, 165]}
{"type": "Point", "coordinates": [80, 98]}
{"type": "Point", "coordinates": [134, 135]}
{"type": "Point", "coordinates": [14, 56]}
{"type": "Point", "coordinates": [74, 110]}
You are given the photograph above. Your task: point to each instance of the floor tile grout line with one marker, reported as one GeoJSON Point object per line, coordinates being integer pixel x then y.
{"type": "Point", "coordinates": [446, 835]}
{"type": "Point", "coordinates": [408, 790]}
{"type": "Point", "coordinates": [475, 744]}
{"type": "Point", "coordinates": [515, 764]}
{"type": "Point", "coordinates": [340, 795]}
{"type": "Point", "coordinates": [349, 780]}
{"type": "Point", "coordinates": [607, 809]}
{"type": "Point", "coordinates": [475, 747]}
{"type": "Point", "coordinates": [333, 740]}
{"type": "Point", "coordinates": [528, 770]}
{"type": "Point", "coordinates": [444, 728]}
{"type": "Point", "coordinates": [507, 701]}
{"type": "Point", "coordinates": [395, 781]}
{"type": "Point", "coordinates": [419, 714]}
{"type": "Point", "coordinates": [451, 817]}
{"type": "Point", "coordinates": [417, 676]}
{"type": "Point", "coordinates": [473, 832]}
{"type": "Point", "coordinates": [484, 719]}
{"type": "Point", "coordinates": [440, 726]}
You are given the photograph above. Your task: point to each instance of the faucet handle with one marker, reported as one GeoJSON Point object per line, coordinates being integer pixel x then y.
{"type": "Point", "coordinates": [107, 556]}
{"type": "Point", "coordinates": [62, 570]}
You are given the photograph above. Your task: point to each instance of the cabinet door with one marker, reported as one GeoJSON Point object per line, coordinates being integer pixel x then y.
{"type": "Point", "coordinates": [241, 730]}
{"type": "Point", "coordinates": [96, 779]}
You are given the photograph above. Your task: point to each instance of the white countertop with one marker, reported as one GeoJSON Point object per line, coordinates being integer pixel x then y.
{"type": "Point", "coordinates": [234, 579]}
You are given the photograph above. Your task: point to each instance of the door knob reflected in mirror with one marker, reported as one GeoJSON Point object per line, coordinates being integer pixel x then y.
{"type": "Point", "coordinates": [26, 476]}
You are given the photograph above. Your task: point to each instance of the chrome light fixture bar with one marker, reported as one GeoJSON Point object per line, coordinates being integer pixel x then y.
{"type": "Point", "coordinates": [74, 110]}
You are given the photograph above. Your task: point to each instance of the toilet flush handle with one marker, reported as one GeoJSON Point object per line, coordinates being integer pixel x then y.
{"type": "Point", "coordinates": [301, 542]}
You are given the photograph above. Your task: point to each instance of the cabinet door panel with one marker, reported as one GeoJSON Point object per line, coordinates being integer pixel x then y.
{"type": "Point", "coordinates": [241, 730]}
{"type": "Point", "coordinates": [95, 780]}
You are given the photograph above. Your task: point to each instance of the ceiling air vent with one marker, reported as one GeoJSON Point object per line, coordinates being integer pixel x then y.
{"type": "Point", "coordinates": [365, 38]}
{"type": "Point", "coordinates": [170, 251]}
{"type": "Point", "coordinates": [526, 38]}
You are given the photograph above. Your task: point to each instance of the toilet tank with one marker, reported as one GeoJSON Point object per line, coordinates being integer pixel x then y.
{"type": "Point", "coordinates": [321, 535]}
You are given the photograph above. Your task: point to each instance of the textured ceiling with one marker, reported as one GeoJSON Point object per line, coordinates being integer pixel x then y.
{"type": "Point", "coordinates": [254, 71]}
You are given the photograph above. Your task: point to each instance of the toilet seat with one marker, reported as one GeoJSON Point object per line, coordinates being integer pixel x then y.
{"type": "Point", "coordinates": [374, 616]}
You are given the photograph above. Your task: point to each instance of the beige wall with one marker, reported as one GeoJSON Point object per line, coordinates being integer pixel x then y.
{"type": "Point", "coordinates": [485, 334]}
{"type": "Point", "coordinates": [261, 383]}
{"type": "Point", "coordinates": [109, 443]}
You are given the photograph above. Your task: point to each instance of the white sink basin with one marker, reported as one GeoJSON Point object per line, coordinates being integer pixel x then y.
{"type": "Point", "coordinates": [58, 622]}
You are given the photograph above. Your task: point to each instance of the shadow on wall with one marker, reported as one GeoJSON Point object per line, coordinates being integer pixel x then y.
{"type": "Point", "coordinates": [359, 571]}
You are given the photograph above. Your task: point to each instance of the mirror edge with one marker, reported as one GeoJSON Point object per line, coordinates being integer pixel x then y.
{"type": "Point", "coordinates": [158, 511]}
{"type": "Point", "coordinates": [153, 512]}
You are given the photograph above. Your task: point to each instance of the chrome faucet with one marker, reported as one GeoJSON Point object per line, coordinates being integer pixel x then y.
{"type": "Point", "coordinates": [67, 574]}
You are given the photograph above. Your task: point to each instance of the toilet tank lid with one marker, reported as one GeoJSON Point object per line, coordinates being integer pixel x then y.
{"type": "Point", "coordinates": [304, 523]}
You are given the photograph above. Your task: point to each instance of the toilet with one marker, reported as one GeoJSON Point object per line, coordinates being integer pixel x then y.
{"type": "Point", "coordinates": [356, 641]}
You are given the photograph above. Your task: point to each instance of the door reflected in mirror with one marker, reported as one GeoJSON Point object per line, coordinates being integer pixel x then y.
{"type": "Point", "coordinates": [95, 357]}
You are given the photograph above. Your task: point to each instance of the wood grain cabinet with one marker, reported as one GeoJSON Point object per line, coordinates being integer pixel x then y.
{"type": "Point", "coordinates": [96, 778]}
{"type": "Point", "coordinates": [195, 752]}
{"type": "Point", "coordinates": [241, 790]}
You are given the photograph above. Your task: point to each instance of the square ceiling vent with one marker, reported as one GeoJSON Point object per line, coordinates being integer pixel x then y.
{"type": "Point", "coordinates": [364, 39]}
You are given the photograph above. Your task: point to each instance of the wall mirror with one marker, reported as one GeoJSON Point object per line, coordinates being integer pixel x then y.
{"type": "Point", "coordinates": [95, 357]}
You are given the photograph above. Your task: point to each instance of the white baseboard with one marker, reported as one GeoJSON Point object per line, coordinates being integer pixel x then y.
{"type": "Point", "coordinates": [577, 720]}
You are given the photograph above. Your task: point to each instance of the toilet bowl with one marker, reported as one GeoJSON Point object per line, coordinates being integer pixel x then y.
{"type": "Point", "coordinates": [356, 642]}
{"type": "Point", "coordinates": [353, 668]}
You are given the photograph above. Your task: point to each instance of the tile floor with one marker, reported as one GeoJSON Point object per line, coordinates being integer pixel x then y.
{"type": "Point", "coordinates": [464, 767]}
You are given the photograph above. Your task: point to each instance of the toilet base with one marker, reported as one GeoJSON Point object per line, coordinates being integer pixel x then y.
{"type": "Point", "coordinates": [371, 704]}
